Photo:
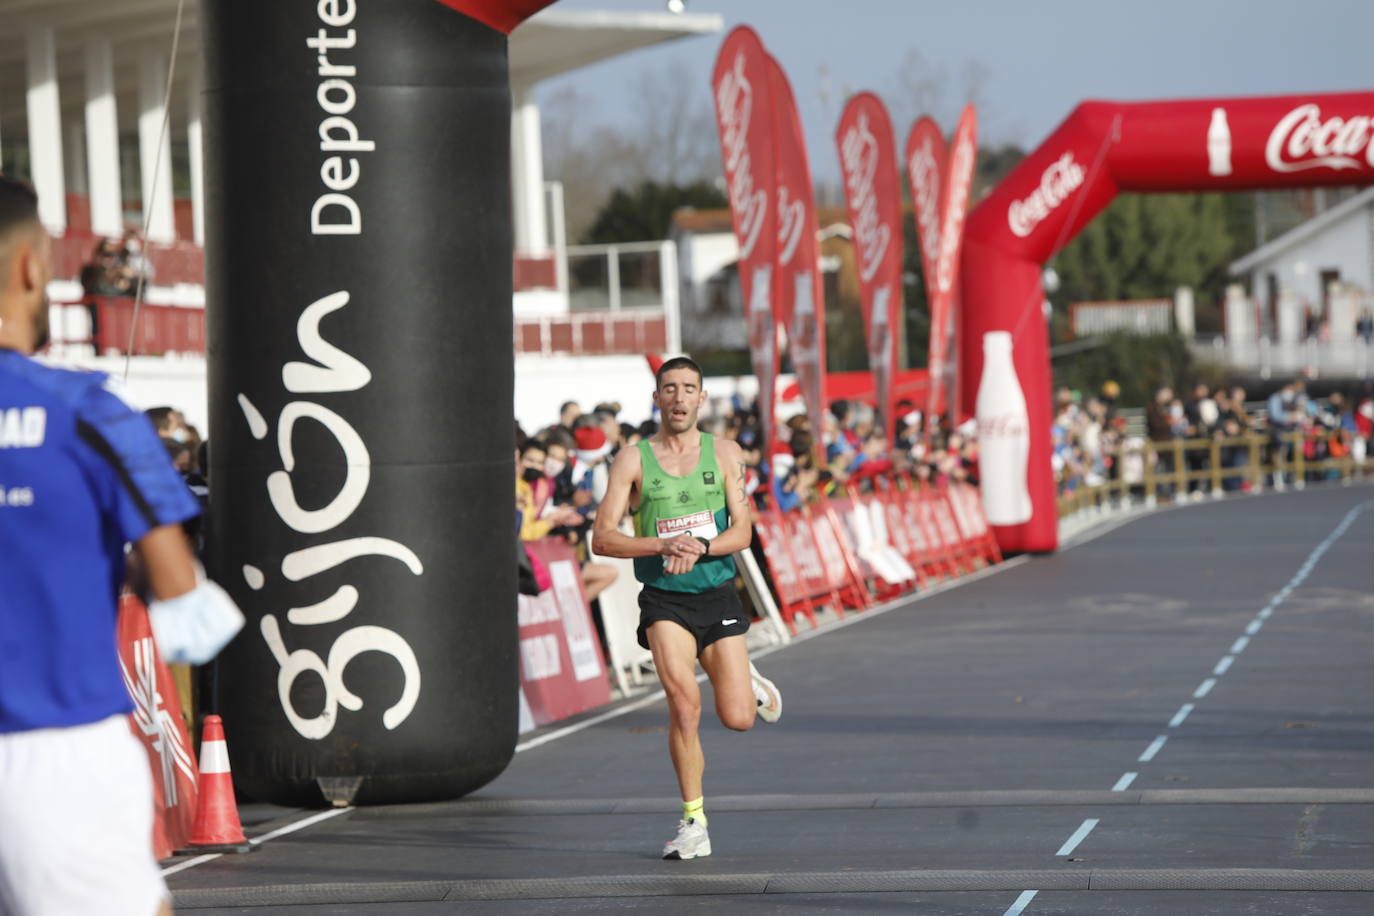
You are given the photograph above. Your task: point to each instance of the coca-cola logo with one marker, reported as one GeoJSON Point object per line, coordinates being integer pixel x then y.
{"type": "Point", "coordinates": [734, 107]}
{"type": "Point", "coordinates": [1002, 426]}
{"type": "Point", "coordinates": [1302, 140]}
{"type": "Point", "coordinates": [791, 220]}
{"type": "Point", "coordinates": [1059, 180]}
{"type": "Point", "coordinates": [859, 158]}
{"type": "Point", "coordinates": [961, 176]}
{"type": "Point", "coordinates": [925, 189]}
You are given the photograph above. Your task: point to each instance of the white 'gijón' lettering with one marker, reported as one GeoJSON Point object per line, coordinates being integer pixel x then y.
{"type": "Point", "coordinates": [337, 372]}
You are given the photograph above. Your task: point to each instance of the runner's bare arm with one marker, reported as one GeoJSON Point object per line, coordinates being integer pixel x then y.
{"type": "Point", "coordinates": [607, 540]}
{"type": "Point", "coordinates": [167, 561]}
{"type": "Point", "coordinates": [740, 532]}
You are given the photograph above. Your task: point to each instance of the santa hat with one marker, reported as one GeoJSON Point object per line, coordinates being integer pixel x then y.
{"type": "Point", "coordinates": [591, 444]}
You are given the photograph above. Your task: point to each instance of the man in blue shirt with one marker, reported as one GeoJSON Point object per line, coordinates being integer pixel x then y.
{"type": "Point", "coordinates": [81, 475]}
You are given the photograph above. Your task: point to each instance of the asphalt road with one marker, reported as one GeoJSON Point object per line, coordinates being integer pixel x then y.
{"type": "Point", "coordinates": [1172, 717]}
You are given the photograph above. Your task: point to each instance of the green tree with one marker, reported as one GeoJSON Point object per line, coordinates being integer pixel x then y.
{"type": "Point", "coordinates": [1138, 363]}
{"type": "Point", "coordinates": [1144, 246]}
{"type": "Point", "coordinates": [644, 212]}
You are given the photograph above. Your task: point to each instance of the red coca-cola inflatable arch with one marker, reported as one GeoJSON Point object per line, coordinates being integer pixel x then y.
{"type": "Point", "coordinates": [1103, 148]}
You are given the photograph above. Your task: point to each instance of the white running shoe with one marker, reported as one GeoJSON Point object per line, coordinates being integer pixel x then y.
{"type": "Point", "coordinates": [766, 692]}
{"type": "Point", "coordinates": [691, 842]}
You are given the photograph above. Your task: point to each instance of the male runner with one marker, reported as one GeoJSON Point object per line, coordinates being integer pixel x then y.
{"type": "Point", "coordinates": [686, 491]}
{"type": "Point", "coordinates": [81, 474]}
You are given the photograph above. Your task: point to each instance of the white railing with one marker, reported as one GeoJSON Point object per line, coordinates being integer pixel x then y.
{"type": "Point", "coordinates": [626, 275]}
{"type": "Point", "coordinates": [1268, 359]}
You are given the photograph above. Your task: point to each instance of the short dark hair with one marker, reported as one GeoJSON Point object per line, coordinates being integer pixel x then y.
{"type": "Point", "coordinates": [557, 435]}
{"type": "Point", "coordinates": [532, 445]}
{"type": "Point", "coordinates": [18, 205]}
{"type": "Point", "coordinates": [18, 208]}
{"type": "Point", "coordinates": [677, 362]}
{"type": "Point", "coordinates": [160, 416]}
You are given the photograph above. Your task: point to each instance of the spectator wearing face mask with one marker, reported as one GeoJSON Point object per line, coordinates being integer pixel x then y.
{"type": "Point", "coordinates": [538, 517]}
{"type": "Point", "coordinates": [532, 492]}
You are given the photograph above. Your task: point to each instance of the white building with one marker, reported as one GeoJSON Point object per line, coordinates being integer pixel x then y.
{"type": "Point", "coordinates": [83, 94]}
{"type": "Point", "coordinates": [1307, 290]}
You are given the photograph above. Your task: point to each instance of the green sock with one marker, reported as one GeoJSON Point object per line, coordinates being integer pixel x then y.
{"type": "Point", "coordinates": [695, 810]}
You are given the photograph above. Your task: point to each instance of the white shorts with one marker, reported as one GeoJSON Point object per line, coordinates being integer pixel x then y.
{"type": "Point", "coordinates": [76, 821]}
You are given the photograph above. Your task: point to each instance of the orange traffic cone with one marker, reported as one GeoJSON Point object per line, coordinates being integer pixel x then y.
{"type": "Point", "coordinates": [217, 827]}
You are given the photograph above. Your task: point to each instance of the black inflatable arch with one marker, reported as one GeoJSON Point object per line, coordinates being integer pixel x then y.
{"type": "Point", "coordinates": [359, 321]}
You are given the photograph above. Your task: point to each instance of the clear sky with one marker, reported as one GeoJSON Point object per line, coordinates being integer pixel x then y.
{"type": "Point", "coordinates": [1039, 57]}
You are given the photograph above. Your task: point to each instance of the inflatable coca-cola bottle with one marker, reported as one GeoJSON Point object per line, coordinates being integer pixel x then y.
{"type": "Point", "coordinates": [1003, 435]}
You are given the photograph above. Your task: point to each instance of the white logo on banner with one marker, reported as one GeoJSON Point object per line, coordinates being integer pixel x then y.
{"type": "Point", "coordinates": [860, 153]}
{"type": "Point", "coordinates": [961, 177]}
{"type": "Point", "coordinates": [155, 722]}
{"type": "Point", "coordinates": [925, 191]}
{"type": "Point", "coordinates": [734, 105]}
{"type": "Point", "coordinates": [336, 371]}
{"type": "Point", "coordinates": [1302, 140]}
{"type": "Point", "coordinates": [1061, 178]}
{"type": "Point", "coordinates": [581, 640]}
{"type": "Point", "coordinates": [791, 222]}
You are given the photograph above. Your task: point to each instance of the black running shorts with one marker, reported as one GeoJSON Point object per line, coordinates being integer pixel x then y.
{"type": "Point", "coordinates": [708, 616]}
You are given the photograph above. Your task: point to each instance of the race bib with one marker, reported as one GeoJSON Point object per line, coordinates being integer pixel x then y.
{"type": "Point", "coordinates": [697, 525]}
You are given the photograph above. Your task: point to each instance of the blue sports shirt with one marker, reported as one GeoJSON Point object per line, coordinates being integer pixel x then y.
{"type": "Point", "coordinates": [81, 474]}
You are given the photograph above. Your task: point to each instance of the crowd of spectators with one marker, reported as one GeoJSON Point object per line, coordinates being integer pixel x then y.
{"type": "Point", "coordinates": [564, 465]}
{"type": "Point", "coordinates": [1093, 442]}
{"type": "Point", "coordinates": [115, 267]}
{"type": "Point", "coordinates": [189, 454]}
{"type": "Point", "coordinates": [562, 468]}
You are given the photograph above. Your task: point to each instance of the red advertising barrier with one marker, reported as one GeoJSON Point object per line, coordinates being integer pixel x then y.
{"type": "Point", "coordinates": [873, 545]}
{"type": "Point", "coordinates": [562, 672]}
{"type": "Point", "coordinates": [157, 722]}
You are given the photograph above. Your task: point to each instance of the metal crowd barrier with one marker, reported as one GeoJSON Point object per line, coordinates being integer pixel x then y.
{"type": "Point", "coordinates": [1172, 469]}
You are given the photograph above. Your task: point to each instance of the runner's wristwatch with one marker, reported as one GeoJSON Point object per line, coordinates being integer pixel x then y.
{"type": "Point", "coordinates": [707, 544]}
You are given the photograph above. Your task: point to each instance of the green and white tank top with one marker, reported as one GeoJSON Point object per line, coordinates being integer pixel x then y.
{"type": "Point", "coordinates": [694, 505]}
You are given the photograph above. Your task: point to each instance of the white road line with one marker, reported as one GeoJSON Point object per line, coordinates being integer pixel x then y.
{"type": "Point", "coordinates": [259, 840]}
{"type": "Point", "coordinates": [1224, 665]}
{"type": "Point", "coordinates": [849, 620]}
{"type": "Point", "coordinates": [1204, 688]}
{"type": "Point", "coordinates": [1124, 782]}
{"type": "Point", "coordinates": [190, 863]}
{"type": "Point", "coordinates": [1079, 836]}
{"type": "Point", "coordinates": [1179, 716]}
{"type": "Point", "coordinates": [300, 824]}
{"type": "Point", "coordinates": [1254, 627]}
{"type": "Point", "coordinates": [1021, 903]}
{"type": "Point", "coordinates": [1153, 749]}
{"type": "Point", "coordinates": [1239, 645]}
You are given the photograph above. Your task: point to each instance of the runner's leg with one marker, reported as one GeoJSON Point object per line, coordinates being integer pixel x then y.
{"type": "Point", "coordinates": [675, 651]}
{"type": "Point", "coordinates": [727, 665]}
